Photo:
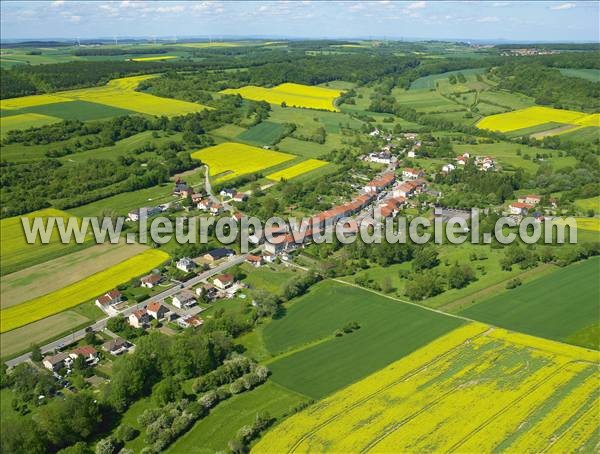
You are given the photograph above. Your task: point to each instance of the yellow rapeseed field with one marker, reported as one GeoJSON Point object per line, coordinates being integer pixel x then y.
{"type": "Point", "coordinates": [31, 101]}
{"type": "Point", "coordinates": [121, 93]}
{"type": "Point", "coordinates": [298, 169]}
{"type": "Point", "coordinates": [164, 57]}
{"type": "Point", "coordinates": [476, 389]}
{"type": "Point", "coordinates": [79, 292]}
{"type": "Point", "coordinates": [294, 95]}
{"type": "Point", "coordinates": [534, 116]}
{"type": "Point", "coordinates": [25, 121]}
{"type": "Point", "coordinates": [229, 160]}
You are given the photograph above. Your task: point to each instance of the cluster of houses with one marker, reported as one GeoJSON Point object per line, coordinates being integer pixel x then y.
{"type": "Point", "coordinates": [483, 163]}
{"type": "Point", "coordinates": [530, 205]}
{"type": "Point", "coordinates": [65, 359]}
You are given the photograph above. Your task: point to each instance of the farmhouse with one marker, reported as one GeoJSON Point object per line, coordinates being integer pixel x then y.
{"type": "Point", "coordinates": [156, 310]}
{"type": "Point", "coordinates": [109, 299]}
{"type": "Point", "coordinates": [186, 265]}
{"type": "Point", "coordinates": [217, 254]}
{"type": "Point", "coordinates": [530, 199]}
{"type": "Point", "coordinates": [135, 215]}
{"type": "Point", "coordinates": [408, 173]}
{"type": "Point", "coordinates": [56, 362]}
{"type": "Point", "coordinates": [184, 300]}
{"type": "Point", "coordinates": [383, 157]}
{"type": "Point", "coordinates": [519, 208]}
{"type": "Point", "coordinates": [139, 318]}
{"type": "Point", "coordinates": [150, 280]}
{"type": "Point", "coordinates": [240, 197]}
{"type": "Point", "coordinates": [223, 281]}
{"type": "Point", "coordinates": [116, 346]}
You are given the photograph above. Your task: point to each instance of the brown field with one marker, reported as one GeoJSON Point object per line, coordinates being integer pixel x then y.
{"type": "Point", "coordinates": [55, 274]}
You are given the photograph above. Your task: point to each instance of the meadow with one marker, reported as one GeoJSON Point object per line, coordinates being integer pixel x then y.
{"type": "Point", "coordinates": [78, 110]}
{"type": "Point", "coordinates": [535, 116]}
{"type": "Point", "coordinates": [229, 160]}
{"type": "Point", "coordinates": [296, 170]}
{"type": "Point", "coordinates": [474, 389]}
{"type": "Point", "coordinates": [310, 359]}
{"type": "Point", "coordinates": [16, 253]}
{"type": "Point", "coordinates": [81, 291]}
{"type": "Point", "coordinates": [264, 133]}
{"type": "Point", "coordinates": [212, 433]}
{"type": "Point", "coordinates": [556, 306]}
{"type": "Point", "coordinates": [25, 121]}
{"type": "Point", "coordinates": [430, 82]}
{"type": "Point", "coordinates": [593, 203]}
{"type": "Point", "coordinates": [588, 74]}
{"type": "Point", "coordinates": [37, 280]}
{"type": "Point", "coordinates": [293, 95]}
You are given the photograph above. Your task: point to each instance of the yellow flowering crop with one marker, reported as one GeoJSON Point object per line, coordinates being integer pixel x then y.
{"type": "Point", "coordinates": [476, 389]}
{"type": "Point", "coordinates": [534, 116]}
{"type": "Point", "coordinates": [79, 292]}
{"type": "Point", "coordinates": [298, 169]}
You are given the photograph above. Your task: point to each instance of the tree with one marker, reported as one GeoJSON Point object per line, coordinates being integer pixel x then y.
{"type": "Point", "coordinates": [167, 390]}
{"type": "Point", "coordinates": [36, 353]}
{"type": "Point", "coordinates": [106, 446]}
{"type": "Point", "coordinates": [460, 276]}
{"type": "Point", "coordinates": [425, 257]}
{"type": "Point", "coordinates": [21, 435]}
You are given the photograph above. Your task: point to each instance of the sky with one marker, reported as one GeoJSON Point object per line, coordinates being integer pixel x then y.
{"type": "Point", "coordinates": [469, 20]}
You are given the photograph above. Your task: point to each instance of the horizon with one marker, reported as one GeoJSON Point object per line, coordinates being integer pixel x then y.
{"type": "Point", "coordinates": [506, 22]}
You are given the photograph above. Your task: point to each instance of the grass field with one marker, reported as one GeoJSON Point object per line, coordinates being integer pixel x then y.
{"type": "Point", "coordinates": [296, 170]}
{"type": "Point", "coordinates": [472, 390]}
{"type": "Point", "coordinates": [212, 433]}
{"type": "Point", "coordinates": [314, 362]}
{"type": "Point", "coordinates": [52, 275]}
{"type": "Point", "coordinates": [593, 203]}
{"type": "Point", "coordinates": [20, 339]}
{"type": "Point", "coordinates": [264, 133]}
{"type": "Point", "coordinates": [556, 306]}
{"type": "Point", "coordinates": [16, 253]}
{"type": "Point", "coordinates": [588, 74]}
{"type": "Point", "coordinates": [79, 292]}
{"type": "Point", "coordinates": [229, 160]}
{"type": "Point", "coordinates": [25, 121]}
{"type": "Point", "coordinates": [269, 278]}
{"type": "Point", "coordinates": [533, 116]}
{"type": "Point", "coordinates": [429, 82]}
{"type": "Point", "coordinates": [294, 95]}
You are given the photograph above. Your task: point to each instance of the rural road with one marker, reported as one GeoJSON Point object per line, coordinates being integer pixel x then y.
{"type": "Point", "coordinates": [101, 324]}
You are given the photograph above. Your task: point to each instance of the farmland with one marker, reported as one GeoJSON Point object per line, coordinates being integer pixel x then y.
{"type": "Point", "coordinates": [158, 58]}
{"type": "Point", "coordinates": [52, 275]}
{"type": "Point", "coordinates": [534, 116]}
{"type": "Point", "coordinates": [293, 95]}
{"type": "Point", "coordinates": [593, 203]}
{"type": "Point", "coordinates": [18, 254]}
{"type": "Point", "coordinates": [314, 362]}
{"type": "Point", "coordinates": [229, 160]}
{"type": "Point", "coordinates": [555, 306]}
{"type": "Point", "coordinates": [25, 121]}
{"type": "Point", "coordinates": [264, 133]}
{"type": "Point", "coordinates": [81, 291]}
{"type": "Point", "coordinates": [473, 390]}
{"type": "Point", "coordinates": [298, 169]}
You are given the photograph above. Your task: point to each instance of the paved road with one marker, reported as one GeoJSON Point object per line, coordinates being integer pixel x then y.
{"type": "Point", "coordinates": [101, 324]}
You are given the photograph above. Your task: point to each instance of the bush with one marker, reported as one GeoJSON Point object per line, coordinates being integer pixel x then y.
{"type": "Point", "coordinates": [513, 283]}
{"type": "Point", "coordinates": [125, 432]}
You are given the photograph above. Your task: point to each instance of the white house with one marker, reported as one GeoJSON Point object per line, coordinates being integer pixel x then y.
{"type": "Point", "coordinates": [186, 265]}
{"type": "Point", "coordinates": [109, 299]}
{"type": "Point", "coordinates": [255, 260]}
{"type": "Point", "coordinates": [139, 318]}
{"type": "Point", "coordinates": [56, 362]}
{"type": "Point", "coordinates": [150, 280]}
{"type": "Point", "coordinates": [156, 310]}
{"type": "Point", "coordinates": [519, 208]}
{"type": "Point", "coordinates": [448, 168]}
{"type": "Point", "coordinates": [223, 281]}
{"type": "Point", "coordinates": [88, 353]}
{"type": "Point", "coordinates": [190, 321]}
{"type": "Point", "coordinates": [184, 300]}
{"type": "Point", "coordinates": [409, 173]}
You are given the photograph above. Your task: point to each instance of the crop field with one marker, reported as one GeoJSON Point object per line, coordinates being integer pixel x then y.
{"type": "Point", "coordinates": [229, 160]}
{"type": "Point", "coordinates": [264, 133]}
{"type": "Point", "coordinates": [25, 121]}
{"type": "Point", "coordinates": [429, 82]}
{"type": "Point", "coordinates": [52, 275]}
{"type": "Point", "coordinates": [424, 100]}
{"type": "Point", "coordinates": [556, 306]}
{"type": "Point", "coordinates": [298, 169]}
{"type": "Point", "coordinates": [31, 101]}
{"type": "Point", "coordinates": [16, 253]}
{"type": "Point", "coordinates": [534, 116]}
{"type": "Point", "coordinates": [78, 110]}
{"type": "Point", "coordinates": [475, 389]}
{"type": "Point", "coordinates": [157, 58]}
{"type": "Point", "coordinates": [20, 339]}
{"type": "Point", "coordinates": [294, 95]}
{"type": "Point", "coordinates": [212, 433]}
{"type": "Point", "coordinates": [312, 361]}
{"type": "Point", "coordinates": [79, 292]}
{"type": "Point", "coordinates": [589, 224]}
